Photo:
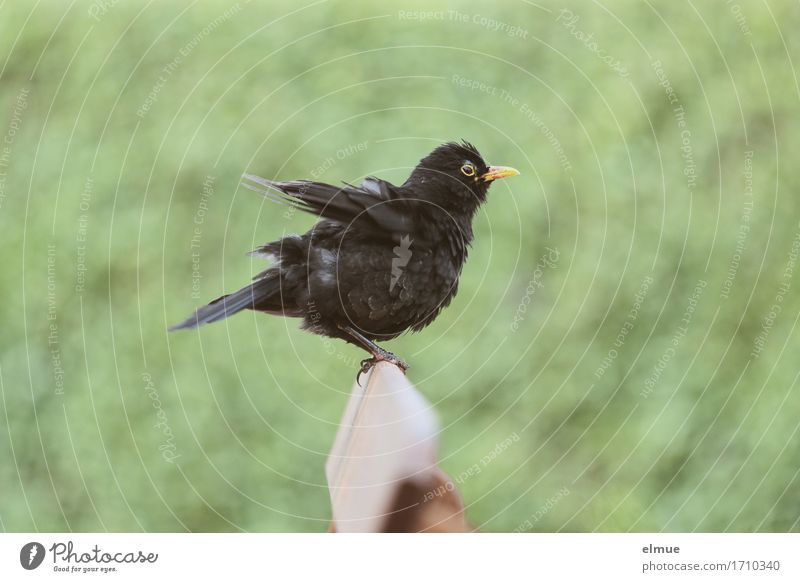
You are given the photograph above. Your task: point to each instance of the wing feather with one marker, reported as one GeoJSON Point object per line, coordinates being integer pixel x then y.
{"type": "Point", "coordinates": [376, 203]}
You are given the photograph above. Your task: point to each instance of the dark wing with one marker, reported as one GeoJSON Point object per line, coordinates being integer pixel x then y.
{"type": "Point", "coordinates": [377, 204]}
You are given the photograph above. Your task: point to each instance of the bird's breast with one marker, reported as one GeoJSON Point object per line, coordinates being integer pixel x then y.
{"type": "Point", "coordinates": [385, 287]}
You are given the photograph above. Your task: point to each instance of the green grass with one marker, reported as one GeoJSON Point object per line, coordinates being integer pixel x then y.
{"type": "Point", "coordinates": [252, 405]}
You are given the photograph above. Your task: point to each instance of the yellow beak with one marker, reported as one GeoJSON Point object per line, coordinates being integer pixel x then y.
{"type": "Point", "coordinates": [497, 172]}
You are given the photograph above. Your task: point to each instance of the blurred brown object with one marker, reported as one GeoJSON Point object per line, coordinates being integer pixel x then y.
{"type": "Point", "coordinates": [433, 506]}
{"type": "Point", "coordinates": [382, 472]}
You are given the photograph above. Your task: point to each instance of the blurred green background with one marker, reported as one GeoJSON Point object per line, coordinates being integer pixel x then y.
{"type": "Point", "coordinates": [625, 336]}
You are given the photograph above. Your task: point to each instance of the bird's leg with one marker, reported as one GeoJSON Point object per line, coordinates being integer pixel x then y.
{"type": "Point", "coordinates": [378, 353]}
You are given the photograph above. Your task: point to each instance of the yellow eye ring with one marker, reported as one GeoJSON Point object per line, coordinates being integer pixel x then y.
{"type": "Point", "coordinates": [468, 170]}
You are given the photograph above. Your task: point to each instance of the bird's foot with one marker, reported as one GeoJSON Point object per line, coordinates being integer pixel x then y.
{"type": "Point", "coordinates": [380, 356]}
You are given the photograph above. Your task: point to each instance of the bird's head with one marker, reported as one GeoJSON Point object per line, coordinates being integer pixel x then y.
{"type": "Point", "coordinates": [456, 177]}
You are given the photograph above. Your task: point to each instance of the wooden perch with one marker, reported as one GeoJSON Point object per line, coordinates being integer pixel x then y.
{"type": "Point", "coordinates": [382, 472]}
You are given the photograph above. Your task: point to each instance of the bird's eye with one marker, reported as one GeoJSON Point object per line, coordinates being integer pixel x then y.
{"type": "Point", "coordinates": [468, 170]}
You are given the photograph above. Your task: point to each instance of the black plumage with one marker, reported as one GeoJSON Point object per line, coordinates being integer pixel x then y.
{"type": "Point", "coordinates": [382, 260]}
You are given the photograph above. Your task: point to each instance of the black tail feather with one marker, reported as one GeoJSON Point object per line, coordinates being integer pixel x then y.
{"type": "Point", "coordinates": [225, 306]}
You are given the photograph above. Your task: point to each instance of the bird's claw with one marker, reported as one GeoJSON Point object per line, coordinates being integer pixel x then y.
{"type": "Point", "coordinates": [366, 365]}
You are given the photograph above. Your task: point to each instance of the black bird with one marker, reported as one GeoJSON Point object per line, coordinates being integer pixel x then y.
{"type": "Point", "coordinates": [383, 259]}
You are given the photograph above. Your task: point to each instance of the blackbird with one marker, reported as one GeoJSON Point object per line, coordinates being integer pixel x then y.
{"type": "Point", "coordinates": [382, 260]}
